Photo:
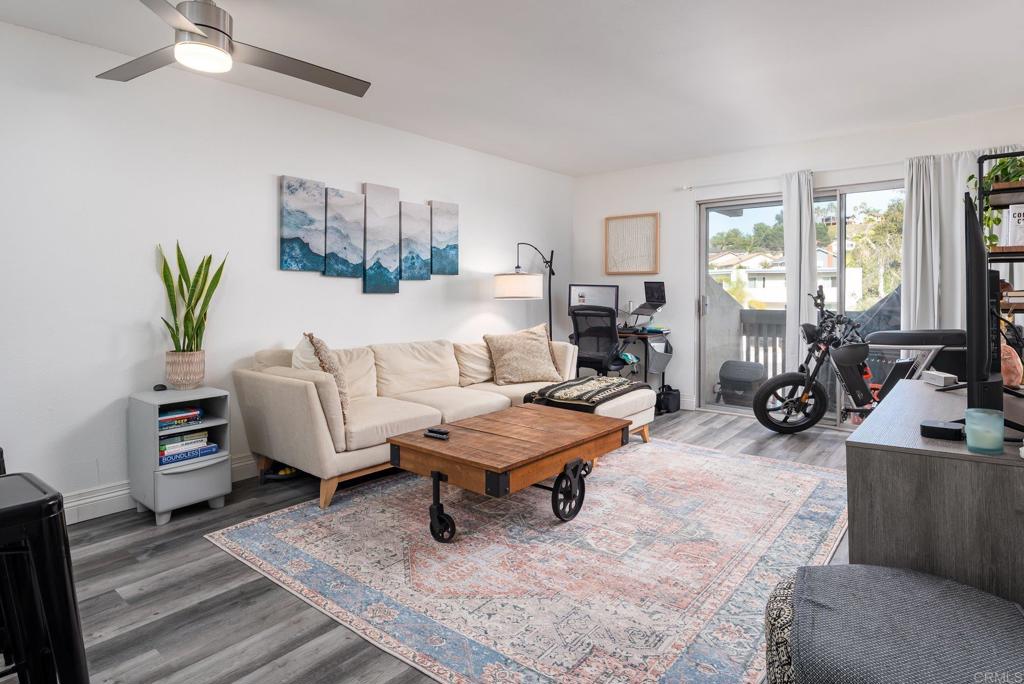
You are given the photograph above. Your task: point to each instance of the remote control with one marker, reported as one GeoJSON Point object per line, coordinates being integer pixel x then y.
{"type": "Point", "coordinates": [438, 430]}
{"type": "Point", "coordinates": [435, 435]}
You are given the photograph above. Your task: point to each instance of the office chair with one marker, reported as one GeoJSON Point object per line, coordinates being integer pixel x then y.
{"type": "Point", "coordinates": [595, 334]}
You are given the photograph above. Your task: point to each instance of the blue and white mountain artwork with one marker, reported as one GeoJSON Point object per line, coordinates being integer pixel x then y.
{"type": "Point", "coordinates": [303, 209]}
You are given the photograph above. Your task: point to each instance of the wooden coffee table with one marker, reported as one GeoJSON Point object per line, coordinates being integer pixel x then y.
{"type": "Point", "coordinates": [500, 453]}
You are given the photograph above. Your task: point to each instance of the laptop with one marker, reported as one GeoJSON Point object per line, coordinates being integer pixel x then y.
{"type": "Point", "coordinates": [654, 299]}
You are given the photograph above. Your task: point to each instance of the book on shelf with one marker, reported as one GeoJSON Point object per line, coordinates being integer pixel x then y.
{"type": "Point", "coordinates": [199, 435]}
{"type": "Point", "coordinates": [188, 454]}
{"type": "Point", "coordinates": [178, 447]}
{"type": "Point", "coordinates": [178, 417]}
{"type": "Point", "coordinates": [180, 423]}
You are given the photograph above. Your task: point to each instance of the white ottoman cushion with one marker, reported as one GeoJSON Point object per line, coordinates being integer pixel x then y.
{"type": "Point", "coordinates": [628, 404]}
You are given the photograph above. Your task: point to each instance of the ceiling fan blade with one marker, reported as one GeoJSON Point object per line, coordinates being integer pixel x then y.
{"type": "Point", "coordinates": [290, 66]}
{"type": "Point", "coordinates": [172, 16]}
{"type": "Point", "coordinates": [140, 66]}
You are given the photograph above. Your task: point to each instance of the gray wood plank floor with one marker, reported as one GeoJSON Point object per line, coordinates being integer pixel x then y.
{"type": "Point", "coordinates": [162, 604]}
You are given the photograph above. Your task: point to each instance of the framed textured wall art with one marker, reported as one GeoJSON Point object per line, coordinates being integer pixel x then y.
{"type": "Point", "coordinates": [631, 244]}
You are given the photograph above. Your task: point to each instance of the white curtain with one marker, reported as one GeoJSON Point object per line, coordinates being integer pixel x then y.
{"type": "Point", "coordinates": [933, 239]}
{"type": "Point", "coordinates": [800, 243]}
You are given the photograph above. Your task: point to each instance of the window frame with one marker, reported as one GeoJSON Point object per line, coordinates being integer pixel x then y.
{"type": "Point", "coordinates": [840, 192]}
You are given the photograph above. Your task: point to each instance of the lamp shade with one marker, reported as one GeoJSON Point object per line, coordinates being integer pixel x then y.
{"type": "Point", "coordinates": [519, 286]}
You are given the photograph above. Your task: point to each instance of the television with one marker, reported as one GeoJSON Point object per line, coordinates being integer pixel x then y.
{"type": "Point", "coordinates": [984, 367]}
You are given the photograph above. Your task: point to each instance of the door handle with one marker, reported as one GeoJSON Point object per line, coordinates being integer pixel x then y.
{"type": "Point", "coordinates": [702, 305]}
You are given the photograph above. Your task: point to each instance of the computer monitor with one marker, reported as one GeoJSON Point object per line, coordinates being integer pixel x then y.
{"type": "Point", "coordinates": [594, 295]}
{"type": "Point", "coordinates": [654, 292]}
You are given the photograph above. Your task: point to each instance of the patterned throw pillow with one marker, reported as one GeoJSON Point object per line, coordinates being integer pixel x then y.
{"type": "Point", "coordinates": [325, 360]}
{"type": "Point", "coordinates": [524, 356]}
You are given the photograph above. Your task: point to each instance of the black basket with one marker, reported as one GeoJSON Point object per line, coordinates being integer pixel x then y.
{"type": "Point", "coordinates": [738, 381]}
{"type": "Point", "coordinates": [667, 401]}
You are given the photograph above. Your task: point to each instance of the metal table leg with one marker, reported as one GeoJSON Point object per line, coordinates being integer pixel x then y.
{"type": "Point", "coordinates": [442, 525]}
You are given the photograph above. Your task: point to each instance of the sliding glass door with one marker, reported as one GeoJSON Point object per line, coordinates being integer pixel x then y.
{"type": "Point", "coordinates": [744, 288]}
{"type": "Point", "coordinates": [743, 298]}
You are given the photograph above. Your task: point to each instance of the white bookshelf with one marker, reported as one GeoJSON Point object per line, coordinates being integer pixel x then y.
{"type": "Point", "coordinates": [162, 489]}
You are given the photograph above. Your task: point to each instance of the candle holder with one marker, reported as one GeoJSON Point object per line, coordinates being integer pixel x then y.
{"type": "Point", "coordinates": [985, 431]}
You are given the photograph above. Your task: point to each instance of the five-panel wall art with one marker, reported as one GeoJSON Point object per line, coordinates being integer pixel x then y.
{"type": "Point", "coordinates": [369, 235]}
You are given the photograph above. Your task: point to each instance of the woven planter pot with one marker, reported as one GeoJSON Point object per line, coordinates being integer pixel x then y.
{"type": "Point", "coordinates": [185, 370]}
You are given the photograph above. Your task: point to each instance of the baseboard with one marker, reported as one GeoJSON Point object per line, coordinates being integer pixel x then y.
{"type": "Point", "coordinates": [96, 502]}
{"type": "Point", "coordinates": [243, 466]}
{"type": "Point", "coordinates": [688, 403]}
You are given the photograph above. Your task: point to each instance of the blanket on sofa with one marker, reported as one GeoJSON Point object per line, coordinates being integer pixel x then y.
{"type": "Point", "coordinates": [584, 394]}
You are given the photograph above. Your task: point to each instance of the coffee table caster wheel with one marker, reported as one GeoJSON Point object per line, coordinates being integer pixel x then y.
{"type": "Point", "coordinates": [588, 468]}
{"type": "Point", "coordinates": [444, 529]}
{"type": "Point", "coordinates": [564, 505]}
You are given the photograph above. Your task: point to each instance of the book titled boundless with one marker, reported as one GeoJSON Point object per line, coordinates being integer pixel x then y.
{"type": "Point", "coordinates": [180, 456]}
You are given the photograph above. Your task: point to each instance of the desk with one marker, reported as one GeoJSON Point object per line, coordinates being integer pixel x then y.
{"type": "Point", "coordinates": [931, 505]}
{"type": "Point", "coordinates": [645, 338]}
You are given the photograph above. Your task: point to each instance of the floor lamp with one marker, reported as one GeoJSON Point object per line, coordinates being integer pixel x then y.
{"type": "Point", "coordinates": [522, 285]}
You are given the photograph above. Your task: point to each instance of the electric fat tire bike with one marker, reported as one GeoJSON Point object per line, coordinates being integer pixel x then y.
{"type": "Point", "coordinates": [793, 402]}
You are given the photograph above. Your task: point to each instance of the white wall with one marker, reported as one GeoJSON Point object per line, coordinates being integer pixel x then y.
{"type": "Point", "coordinates": [867, 157]}
{"type": "Point", "coordinates": [96, 173]}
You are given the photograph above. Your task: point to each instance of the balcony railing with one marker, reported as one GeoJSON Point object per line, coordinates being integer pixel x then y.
{"type": "Point", "coordinates": [763, 338]}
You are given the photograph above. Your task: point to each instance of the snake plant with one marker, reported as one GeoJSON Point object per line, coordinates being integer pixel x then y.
{"type": "Point", "coordinates": [189, 299]}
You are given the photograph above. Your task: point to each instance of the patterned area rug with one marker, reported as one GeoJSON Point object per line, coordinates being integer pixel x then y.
{"type": "Point", "coordinates": [663, 576]}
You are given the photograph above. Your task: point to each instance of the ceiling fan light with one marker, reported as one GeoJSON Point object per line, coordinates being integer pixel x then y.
{"type": "Point", "coordinates": [202, 57]}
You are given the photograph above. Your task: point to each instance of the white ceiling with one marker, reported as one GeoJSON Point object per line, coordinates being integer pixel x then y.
{"type": "Point", "coordinates": [583, 86]}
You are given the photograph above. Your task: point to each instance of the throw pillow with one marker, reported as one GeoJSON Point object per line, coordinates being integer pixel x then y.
{"type": "Point", "coordinates": [312, 353]}
{"type": "Point", "coordinates": [474, 363]}
{"type": "Point", "coordinates": [522, 357]}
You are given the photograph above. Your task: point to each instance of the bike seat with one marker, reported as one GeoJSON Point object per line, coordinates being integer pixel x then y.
{"type": "Point", "coordinates": [918, 338]}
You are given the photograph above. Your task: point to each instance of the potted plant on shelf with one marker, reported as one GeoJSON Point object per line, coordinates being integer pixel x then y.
{"type": "Point", "coordinates": [1005, 174]}
{"type": "Point", "coordinates": [186, 365]}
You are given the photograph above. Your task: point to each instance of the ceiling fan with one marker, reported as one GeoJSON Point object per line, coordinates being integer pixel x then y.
{"type": "Point", "coordinates": [202, 41]}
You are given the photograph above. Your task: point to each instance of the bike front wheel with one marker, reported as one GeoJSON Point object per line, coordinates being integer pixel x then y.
{"type": "Point", "coordinates": [786, 404]}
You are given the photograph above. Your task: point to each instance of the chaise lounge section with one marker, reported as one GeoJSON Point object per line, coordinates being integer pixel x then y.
{"type": "Point", "coordinates": [295, 416]}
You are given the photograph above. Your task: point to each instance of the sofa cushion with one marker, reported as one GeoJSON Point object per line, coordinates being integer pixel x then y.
{"type": "Point", "coordinates": [515, 392]}
{"type": "Point", "coordinates": [456, 403]}
{"type": "Point", "coordinates": [474, 361]}
{"type": "Point", "coordinates": [627, 404]}
{"type": "Point", "coordinates": [524, 356]}
{"type": "Point", "coordinates": [304, 355]}
{"type": "Point", "coordinates": [360, 371]}
{"type": "Point", "coordinates": [413, 366]}
{"type": "Point", "coordinates": [371, 420]}
{"type": "Point", "coordinates": [564, 355]}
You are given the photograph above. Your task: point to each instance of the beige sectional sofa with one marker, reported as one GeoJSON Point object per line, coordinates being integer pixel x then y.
{"type": "Point", "coordinates": [295, 416]}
